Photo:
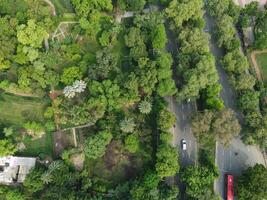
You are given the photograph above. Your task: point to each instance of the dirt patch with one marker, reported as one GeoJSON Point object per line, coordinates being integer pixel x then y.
{"type": "Point", "coordinates": [77, 160]}
{"type": "Point", "coordinates": [62, 140]}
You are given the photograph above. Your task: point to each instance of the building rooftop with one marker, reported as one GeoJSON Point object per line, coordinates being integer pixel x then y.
{"type": "Point", "coordinates": [14, 169]}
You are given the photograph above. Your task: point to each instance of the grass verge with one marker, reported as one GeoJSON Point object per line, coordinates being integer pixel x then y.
{"type": "Point", "coordinates": [262, 62]}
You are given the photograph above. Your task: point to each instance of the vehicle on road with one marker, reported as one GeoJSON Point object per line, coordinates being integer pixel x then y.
{"type": "Point", "coordinates": [229, 187]}
{"type": "Point", "coordinates": [183, 143]}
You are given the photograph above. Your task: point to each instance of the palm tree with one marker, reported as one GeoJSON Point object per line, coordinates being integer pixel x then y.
{"type": "Point", "coordinates": [145, 107]}
{"type": "Point", "coordinates": [47, 177]}
{"type": "Point", "coordinates": [127, 125]}
{"type": "Point", "coordinates": [55, 165]}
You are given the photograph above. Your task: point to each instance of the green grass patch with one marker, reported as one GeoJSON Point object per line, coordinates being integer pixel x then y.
{"type": "Point", "coordinates": [63, 6]}
{"type": "Point", "coordinates": [35, 147]}
{"type": "Point", "coordinates": [16, 110]}
{"type": "Point", "coordinates": [262, 62]}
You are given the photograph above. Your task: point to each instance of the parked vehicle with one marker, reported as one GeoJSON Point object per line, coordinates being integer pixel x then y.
{"type": "Point", "coordinates": [183, 144]}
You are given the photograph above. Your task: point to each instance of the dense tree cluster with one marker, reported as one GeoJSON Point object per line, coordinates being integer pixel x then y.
{"type": "Point", "coordinates": [208, 126]}
{"type": "Point", "coordinates": [196, 65]}
{"type": "Point", "coordinates": [253, 183]}
{"type": "Point", "coordinates": [236, 65]}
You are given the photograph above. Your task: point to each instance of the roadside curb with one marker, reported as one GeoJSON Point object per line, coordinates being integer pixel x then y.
{"type": "Point", "coordinates": [264, 158]}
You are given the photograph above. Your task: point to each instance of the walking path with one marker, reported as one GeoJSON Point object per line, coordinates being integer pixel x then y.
{"type": "Point", "coordinates": [53, 9]}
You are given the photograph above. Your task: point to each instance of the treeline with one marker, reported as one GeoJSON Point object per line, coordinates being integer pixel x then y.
{"type": "Point", "coordinates": [236, 65]}
{"type": "Point", "coordinates": [197, 81]}
{"type": "Point", "coordinates": [196, 69]}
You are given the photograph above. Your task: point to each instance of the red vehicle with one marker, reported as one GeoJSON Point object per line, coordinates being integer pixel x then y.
{"type": "Point", "coordinates": [230, 187]}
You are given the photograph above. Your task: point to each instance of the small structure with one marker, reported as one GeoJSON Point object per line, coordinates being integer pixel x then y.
{"type": "Point", "coordinates": [14, 169]}
{"type": "Point", "coordinates": [248, 36]}
{"type": "Point", "coordinates": [242, 3]}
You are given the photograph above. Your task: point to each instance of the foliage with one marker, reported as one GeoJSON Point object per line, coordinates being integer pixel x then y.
{"type": "Point", "coordinates": [7, 148]}
{"type": "Point", "coordinates": [235, 62]}
{"type": "Point", "coordinates": [167, 161]}
{"type": "Point", "coordinates": [166, 119]}
{"type": "Point", "coordinates": [95, 145]}
{"type": "Point", "coordinates": [145, 107]}
{"type": "Point", "coordinates": [249, 100]}
{"type": "Point", "coordinates": [252, 184]}
{"type": "Point", "coordinates": [71, 74]}
{"type": "Point", "coordinates": [34, 129]}
{"type": "Point", "coordinates": [127, 125]}
{"type": "Point", "coordinates": [132, 143]}
{"type": "Point", "coordinates": [198, 179]}
{"type": "Point", "coordinates": [210, 125]}
{"type": "Point", "coordinates": [31, 34]}
{"type": "Point", "coordinates": [159, 37]}
{"type": "Point", "coordinates": [33, 182]}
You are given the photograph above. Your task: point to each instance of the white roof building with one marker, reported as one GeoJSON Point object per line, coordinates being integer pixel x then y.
{"type": "Point", "coordinates": [242, 3]}
{"type": "Point", "coordinates": [14, 169]}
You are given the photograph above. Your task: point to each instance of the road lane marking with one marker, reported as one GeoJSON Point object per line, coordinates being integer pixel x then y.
{"type": "Point", "coordinates": [230, 158]}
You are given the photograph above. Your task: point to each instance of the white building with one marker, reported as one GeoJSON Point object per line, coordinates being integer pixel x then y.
{"type": "Point", "coordinates": [242, 3]}
{"type": "Point", "coordinates": [14, 169]}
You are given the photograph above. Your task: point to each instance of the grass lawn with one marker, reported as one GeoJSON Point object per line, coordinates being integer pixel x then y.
{"type": "Point", "coordinates": [16, 110]}
{"type": "Point", "coordinates": [262, 62]}
{"type": "Point", "coordinates": [63, 6]}
{"type": "Point", "coordinates": [35, 147]}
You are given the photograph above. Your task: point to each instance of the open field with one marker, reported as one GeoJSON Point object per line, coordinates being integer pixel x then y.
{"type": "Point", "coordinates": [16, 110]}
{"type": "Point", "coordinates": [262, 63]}
{"type": "Point", "coordinates": [35, 147]}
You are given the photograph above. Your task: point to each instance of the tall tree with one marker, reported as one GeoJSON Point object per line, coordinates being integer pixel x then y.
{"type": "Point", "coordinates": [95, 146]}
{"type": "Point", "coordinates": [252, 184]}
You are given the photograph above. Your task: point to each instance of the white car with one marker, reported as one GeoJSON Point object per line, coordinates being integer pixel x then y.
{"type": "Point", "coordinates": [183, 143]}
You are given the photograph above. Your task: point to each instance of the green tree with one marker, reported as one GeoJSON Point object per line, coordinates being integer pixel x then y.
{"type": "Point", "coordinates": [243, 81]}
{"type": "Point", "coordinates": [235, 62]}
{"type": "Point", "coordinates": [180, 12]}
{"type": "Point", "coordinates": [33, 182]}
{"type": "Point", "coordinates": [260, 30]}
{"type": "Point", "coordinates": [201, 128]}
{"type": "Point", "coordinates": [135, 5]}
{"type": "Point", "coordinates": [145, 107]}
{"type": "Point", "coordinates": [15, 194]}
{"type": "Point", "coordinates": [198, 179]}
{"type": "Point", "coordinates": [7, 148]}
{"type": "Point", "coordinates": [127, 125]}
{"type": "Point", "coordinates": [167, 161]}
{"type": "Point", "coordinates": [71, 74]}
{"type": "Point", "coordinates": [159, 37]}
{"type": "Point", "coordinates": [249, 100]}
{"type": "Point", "coordinates": [34, 129]}
{"type": "Point", "coordinates": [95, 146]}
{"type": "Point", "coordinates": [226, 32]}
{"type": "Point", "coordinates": [132, 143]}
{"type": "Point", "coordinates": [31, 34]}
{"type": "Point", "coordinates": [225, 126]}
{"type": "Point", "coordinates": [252, 184]}
{"type": "Point", "coordinates": [166, 119]}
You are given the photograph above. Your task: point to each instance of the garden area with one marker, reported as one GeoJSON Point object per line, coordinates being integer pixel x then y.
{"type": "Point", "coordinates": [16, 110]}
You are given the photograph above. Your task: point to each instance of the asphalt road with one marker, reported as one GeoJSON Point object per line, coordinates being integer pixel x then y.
{"type": "Point", "coordinates": [182, 130]}
{"type": "Point", "coordinates": [236, 157]}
